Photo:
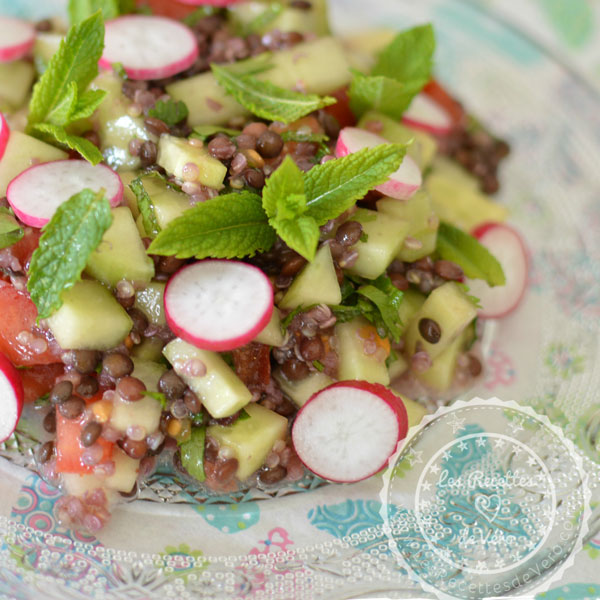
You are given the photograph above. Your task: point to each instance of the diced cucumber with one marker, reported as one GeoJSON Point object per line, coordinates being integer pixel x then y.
{"type": "Point", "coordinates": [414, 410]}
{"type": "Point", "coordinates": [222, 392]}
{"type": "Point", "coordinates": [428, 241]}
{"type": "Point", "coordinates": [251, 439]}
{"type": "Point", "coordinates": [174, 153]}
{"type": "Point", "coordinates": [316, 284]}
{"type": "Point", "coordinates": [126, 472]}
{"type": "Point", "coordinates": [126, 178]}
{"type": "Point", "coordinates": [385, 234]}
{"type": "Point", "coordinates": [90, 318]}
{"type": "Point", "coordinates": [150, 302]}
{"type": "Point", "coordinates": [450, 308]}
{"type": "Point", "coordinates": [77, 484]}
{"type": "Point", "coordinates": [423, 147]}
{"type": "Point", "coordinates": [16, 78]}
{"type": "Point", "coordinates": [303, 65]}
{"type": "Point", "coordinates": [411, 303]}
{"type": "Point", "coordinates": [192, 453]}
{"type": "Point", "coordinates": [23, 151]}
{"type": "Point", "coordinates": [149, 372]}
{"type": "Point", "coordinates": [354, 363]}
{"type": "Point", "coordinates": [168, 205]}
{"type": "Point", "coordinates": [121, 253]}
{"type": "Point", "coordinates": [272, 335]}
{"type": "Point", "coordinates": [397, 367]}
{"type": "Point", "coordinates": [142, 413]}
{"type": "Point", "coordinates": [46, 45]}
{"type": "Point", "coordinates": [149, 349]}
{"type": "Point", "coordinates": [300, 391]}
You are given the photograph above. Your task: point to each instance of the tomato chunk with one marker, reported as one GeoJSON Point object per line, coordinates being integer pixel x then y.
{"type": "Point", "coordinates": [341, 109]}
{"type": "Point", "coordinates": [39, 380]}
{"type": "Point", "coordinates": [454, 108]}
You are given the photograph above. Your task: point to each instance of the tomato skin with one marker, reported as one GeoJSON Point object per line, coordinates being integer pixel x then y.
{"type": "Point", "coordinates": [168, 8]}
{"type": "Point", "coordinates": [24, 248]}
{"type": "Point", "coordinates": [38, 380]}
{"type": "Point", "coordinates": [341, 109]}
{"type": "Point", "coordinates": [454, 108]}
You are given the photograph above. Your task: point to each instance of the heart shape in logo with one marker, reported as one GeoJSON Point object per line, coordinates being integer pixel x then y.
{"type": "Point", "coordinates": [488, 506]}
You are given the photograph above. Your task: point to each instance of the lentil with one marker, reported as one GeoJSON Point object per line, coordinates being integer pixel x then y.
{"type": "Point", "coordinates": [254, 178]}
{"type": "Point", "coordinates": [130, 389]}
{"type": "Point", "coordinates": [246, 141]}
{"type": "Point", "coordinates": [88, 386]}
{"type": "Point", "coordinates": [156, 126]}
{"type": "Point", "coordinates": [148, 153]}
{"type": "Point", "coordinates": [294, 369]}
{"type": "Point", "coordinates": [430, 330]}
{"type": "Point", "coordinates": [312, 349]}
{"type": "Point", "coordinates": [448, 270]}
{"type": "Point", "coordinates": [140, 321]}
{"type": "Point", "coordinates": [226, 470]}
{"type": "Point", "coordinates": [349, 233]}
{"type": "Point", "coordinates": [171, 385]}
{"type": "Point", "coordinates": [72, 408]}
{"type": "Point", "coordinates": [269, 144]}
{"type": "Point", "coordinates": [90, 433]}
{"type": "Point", "coordinates": [474, 366]}
{"type": "Point", "coordinates": [221, 147]}
{"type": "Point", "coordinates": [399, 281]}
{"type": "Point", "coordinates": [117, 365]}
{"type": "Point", "coordinates": [134, 448]}
{"type": "Point", "coordinates": [85, 361]}
{"type": "Point", "coordinates": [49, 422]}
{"type": "Point", "coordinates": [60, 392]}
{"type": "Point", "coordinates": [192, 402]}
{"type": "Point", "coordinates": [292, 265]}
{"type": "Point", "coordinates": [271, 476]}
{"type": "Point", "coordinates": [46, 452]}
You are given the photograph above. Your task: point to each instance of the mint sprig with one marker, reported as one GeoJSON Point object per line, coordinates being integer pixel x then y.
{"type": "Point", "coordinates": [146, 208]}
{"type": "Point", "coordinates": [266, 100]}
{"type": "Point", "coordinates": [169, 111]}
{"type": "Point", "coordinates": [79, 10]}
{"type": "Point", "coordinates": [67, 241]}
{"type": "Point", "coordinates": [60, 96]}
{"type": "Point", "coordinates": [476, 260]}
{"type": "Point", "coordinates": [10, 230]}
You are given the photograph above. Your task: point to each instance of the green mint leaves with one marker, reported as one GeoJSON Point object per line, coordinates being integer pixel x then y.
{"type": "Point", "coordinates": [145, 207]}
{"type": "Point", "coordinates": [266, 100]}
{"type": "Point", "coordinates": [475, 260]}
{"type": "Point", "coordinates": [67, 241]}
{"type": "Point", "coordinates": [10, 230]}
{"type": "Point", "coordinates": [171, 111]}
{"type": "Point", "coordinates": [60, 96]}
{"type": "Point", "coordinates": [192, 454]}
{"type": "Point", "coordinates": [401, 71]}
{"type": "Point", "coordinates": [79, 10]}
{"type": "Point", "coordinates": [228, 226]}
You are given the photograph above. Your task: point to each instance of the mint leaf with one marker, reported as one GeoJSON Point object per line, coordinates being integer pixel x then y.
{"type": "Point", "coordinates": [86, 104]}
{"type": "Point", "coordinates": [285, 181]}
{"type": "Point", "coordinates": [126, 6]}
{"type": "Point", "coordinates": [266, 100]}
{"type": "Point", "coordinates": [333, 187]}
{"type": "Point", "coordinates": [10, 230]}
{"type": "Point", "coordinates": [476, 260]}
{"type": "Point", "coordinates": [243, 416]}
{"type": "Point", "coordinates": [53, 133]}
{"type": "Point", "coordinates": [228, 226]}
{"type": "Point", "coordinates": [301, 234]}
{"type": "Point", "coordinates": [383, 94]}
{"type": "Point", "coordinates": [82, 9]}
{"type": "Point", "coordinates": [67, 241]}
{"type": "Point", "coordinates": [145, 207]}
{"type": "Point", "coordinates": [263, 20]}
{"type": "Point", "coordinates": [197, 15]}
{"type": "Point", "coordinates": [171, 111]}
{"type": "Point", "coordinates": [203, 132]}
{"type": "Point", "coordinates": [59, 115]}
{"type": "Point", "coordinates": [192, 453]}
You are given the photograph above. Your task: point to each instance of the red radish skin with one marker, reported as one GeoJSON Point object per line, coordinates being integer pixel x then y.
{"type": "Point", "coordinates": [426, 114]}
{"type": "Point", "coordinates": [36, 193]}
{"type": "Point", "coordinates": [4, 134]}
{"type": "Point", "coordinates": [348, 431]}
{"type": "Point", "coordinates": [149, 47]}
{"type": "Point", "coordinates": [507, 245]}
{"type": "Point", "coordinates": [218, 305]}
{"type": "Point", "coordinates": [401, 184]}
{"type": "Point", "coordinates": [11, 398]}
{"type": "Point", "coordinates": [16, 38]}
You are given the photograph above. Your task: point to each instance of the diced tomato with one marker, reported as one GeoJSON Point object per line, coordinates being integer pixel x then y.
{"type": "Point", "coordinates": [18, 313]}
{"type": "Point", "coordinates": [436, 92]}
{"type": "Point", "coordinates": [168, 8]}
{"type": "Point", "coordinates": [69, 449]}
{"type": "Point", "coordinates": [24, 248]}
{"type": "Point", "coordinates": [341, 109]}
{"type": "Point", "coordinates": [252, 364]}
{"type": "Point", "coordinates": [39, 380]}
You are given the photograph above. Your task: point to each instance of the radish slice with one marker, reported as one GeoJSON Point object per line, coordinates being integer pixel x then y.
{"type": "Point", "coordinates": [4, 133]}
{"type": "Point", "coordinates": [149, 47]}
{"type": "Point", "coordinates": [218, 304]}
{"type": "Point", "coordinates": [401, 184]}
{"type": "Point", "coordinates": [426, 114]}
{"type": "Point", "coordinates": [36, 193]}
{"type": "Point", "coordinates": [11, 398]}
{"type": "Point", "coordinates": [347, 431]}
{"type": "Point", "coordinates": [508, 247]}
{"type": "Point", "coordinates": [16, 38]}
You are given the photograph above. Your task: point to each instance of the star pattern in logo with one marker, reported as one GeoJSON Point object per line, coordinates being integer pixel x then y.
{"type": "Point", "coordinates": [456, 422]}
{"type": "Point", "coordinates": [516, 425]}
{"type": "Point", "coordinates": [414, 457]}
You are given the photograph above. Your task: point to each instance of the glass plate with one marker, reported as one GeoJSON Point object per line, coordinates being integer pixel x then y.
{"type": "Point", "coordinates": [329, 543]}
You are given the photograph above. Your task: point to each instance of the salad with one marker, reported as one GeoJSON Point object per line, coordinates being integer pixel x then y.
{"type": "Point", "coordinates": [237, 244]}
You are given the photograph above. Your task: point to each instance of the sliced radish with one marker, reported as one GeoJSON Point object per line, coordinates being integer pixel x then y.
{"type": "Point", "coordinates": [36, 193]}
{"type": "Point", "coordinates": [218, 304]}
{"type": "Point", "coordinates": [149, 47]}
{"type": "Point", "coordinates": [401, 184]}
{"type": "Point", "coordinates": [11, 398]}
{"type": "Point", "coordinates": [16, 38]}
{"type": "Point", "coordinates": [347, 431]}
{"type": "Point", "coordinates": [4, 133]}
{"type": "Point", "coordinates": [426, 114]}
{"type": "Point", "coordinates": [508, 247]}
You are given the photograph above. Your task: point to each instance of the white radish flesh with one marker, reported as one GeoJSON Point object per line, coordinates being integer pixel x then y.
{"type": "Point", "coordinates": [426, 114]}
{"type": "Point", "coordinates": [508, 247]}
{"type": "Point", "coordinates": [348, 431]}
{"type": "Point", "coordinates": [4, 133]}
{"type": "Point", "coordinates": [149, 47]}
{"type": "Point", "coordinates": [401, 184]}
{"type": "Point", "coordinates": [36, 193]}
{"type": "Point", "coordinates": [218, 304]}
{"type": "Point", "coordinates": [11, 398]}
{"type": "Point", "coordinates": [16, 38]}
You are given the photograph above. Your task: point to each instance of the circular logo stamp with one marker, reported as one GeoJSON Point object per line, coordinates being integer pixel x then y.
{"type": "Point", "coordinates": [485, 498]}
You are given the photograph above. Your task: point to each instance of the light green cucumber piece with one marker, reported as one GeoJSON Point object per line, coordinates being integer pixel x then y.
{"type": "Point", "coordinates": [302, 65]}
{"type": "Point", "coordinates": [153, 186]}
{"type": "Point", "coordinates": [45, 46]}
{"type": "Point", "coordinates": [149, 349]}
{"type": "Point", "coordinates": [300, 391]}
{"type": "Point", "coordinates": [250, 440]}
{"type": "Point", "coordinates": [121, 253]}
{"type": "Point", "coordinates": [354, 362]}
{"type": "Point", "coordinates": [126, 472]}
{"type": "Point", "coordinates": [316, 284]}
{"type": "Point", "coordinates": [451, 309]}
{"type": "Point", "coordinates": [149, 372]}
{"type": "Point", "coordinates": [23, 151]}
{"type": "Point", "coordinates": [272, 335]}
{"type": "Point", "coordinates": [16, 78]}
{"type": "Point", "coordinates": [414, 410]}
{"type": "Point", "coordinates": [144, 412]}
{"type": "Point", "coordinates": [150, 301]}
{"type": "Point", "coordinates": [90, 318]}
{"type": "Point", "coordinates": [422, 146]}
{"type": "Point", "coordinates": [411, 303]}
{"type": "Point", "coordinates": [385, 234]}
{"type": "Point", "coordinates": [222, 392]}
{"type": "Point", "coordinates": [363, 47]}
{"type": "Point", "coordinates": [397, 367]}
{"type": "Point", "coordinates": [174, 153]}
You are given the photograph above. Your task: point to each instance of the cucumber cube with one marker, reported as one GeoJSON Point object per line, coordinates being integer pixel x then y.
{"type": "Point", "coordinates": [251, 439]}
{"type": "Point", "coordinates": [143, 413]}
{"type": "Point", "coordinates": [398, 367]}
{"type": "Point", "coordinates": [222, 392]}
{"type": "Point", "coordinates": [149, 372]}
{"type": "Point", "coordinates": [300, 391]}
{"type": "Point", "coordinates": [149, 349]}
{"type": "Point", "coordinates": [126, 472]}
{"type": "Point", "coordinates": [90, 318]}
{"type": "Point", "coordinates": [411, 303]}
{"type": "Point", "coordinates": [272, 335]}
{"type": "Point", "coordinates": [414, 410]}
{"type": "Point", "coordinates": [150, 301]}
{"type": "Point", "coordinates": [441, 373]}
{"type": "Point", "coordinates": [16, 78]}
